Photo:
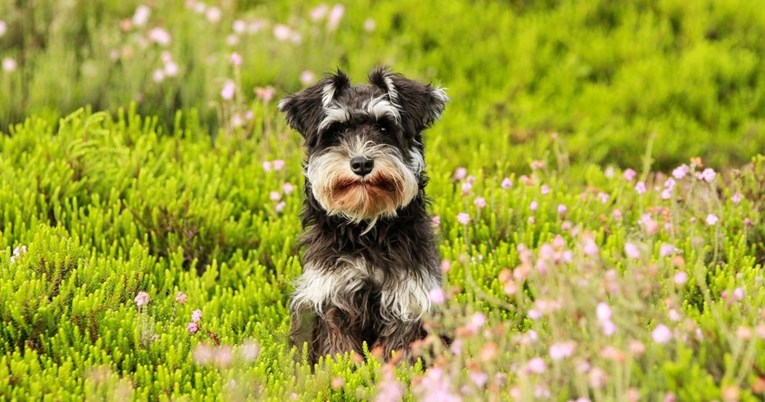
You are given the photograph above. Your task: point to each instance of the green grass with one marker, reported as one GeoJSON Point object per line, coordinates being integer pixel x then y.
{"type": "Point", "coordinates": [157, 188]}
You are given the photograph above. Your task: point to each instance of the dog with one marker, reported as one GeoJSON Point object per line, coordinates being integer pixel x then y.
{"type": "Point", "coordinates": [369, 251]}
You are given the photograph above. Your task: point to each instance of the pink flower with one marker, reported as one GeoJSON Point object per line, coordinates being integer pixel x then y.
{"type": "Point", "coordinates": [661, 334]}
{"type": "Point", "coordinates": [603, 312]}
{"type": "Point", "coordinates": [506, 184]}
{"type": "Point", "coordinates": [159, 36]}
{"type": "Point", "coordinates": [335, 15]}
{"type": "Point", "coordinates": [603, 197]}
{"type": "Point", "coordinates": [337, 383]}
{"type": "Point", "coordinates": [235, 59]}
{"type": "Point", "coordinates": [736, 198]}
{"type": "Point", "coordinates": [597, 378]}
{"type": "Point", "coordinates": [640, 187]}
{"type": "Point", "coordinates": [544, 189]}
{"type": "Point", "coordinates": [463, 218]}
{"type": "Point", "coordinates": [681, 171]}
{"type": "Point", "coordinates": [213, 14]}
{"type": "Point", "coordinates": [288, 188]}
{"type": "Point", "coordinates": [609, 328]}
{"type": "Point", "coordinates": [239, 27]}
{"type": "Point", "coordinates": [223, 356]}
{"type": "Point", "coordinates": [536, 366]}
{"type": "Point", "coordinates": [307, 77]}
{"type": "Point", "coordinates": [318, 12]}
{"type": "Point", "coordinates": [477, 321]}
{"type": "Point", "coordinates": [196, 315]}
{"type": "Point", "coordinates": [142, 299]}
{"type": "Point", "coordinates": [369, 25]}
{"type": "Point", "coordinates": [708, 175]}
{"type": "Point", "coordinates": [171, 69]}
{"type": "Point", "coordinates": [435, 386]}
{"type": "Point", "coordinates": [228, 90]}
{"type": "Point", "coordinates": [459, 173]}
{"type": "Point", "coordinates": [617, 214]}
{"type": "Point", "coordinates": [537, 165]}
{"type": "Point", "coordinates": [534, 206]}
{"type": "Point", "coordinates": [192, 327]}
{"type": "Point", "coordinates": [478, 378]}
{"type": "Point", "coordinates": [278, 164]}
{"type": "Point", "coordinates": [265, 94]}
{"type": "Point", "coordinates": [636, 347]}
{"type": "Point", "coordinates": [437, 296]}
{"type": "Point", "coordinates": [562, 209]}
{"type": "Point", "coordinates": [630, 174]}
{"type": "Point", "coordinates": [667, 250]}
{"type": "Point", "coordinates": [712, 219]}
{"type": "Point", "coordinates": [140, 17]}
{"type": "Point", "coordinates": [590, 248]}
{"type": "Point", "coordinates": [267, 166]}
{"type": "Point", "coordinates": [480, 202]}
{"type": "Point", "coordinates": [389, 389]}
{"type": "Point", "coordinates": [446, 266]}
{"type": "Point", "coordinates": [680, 278]}
{"type": "Point", "coordinates": [562, 350]}
{"type": "Point", "coordinates": [249, 350]}
{"type": "Point", "coordinates": [9, 65]}
{"type": "Point", "coordinates": [631, 251]}
{"type": "Point", "coordinates": [280, 206]}
{"type": "Point", "coordinates": [282, 32]}
{"type": "Point", "coordinates": [158, 76]}
{"type": "Point", "coordinates": [180, 298]}
{"type": "Point", "coordinates": [466, 187]}
{"type": "Point", "coordinates": [274, 196]}
{"type": "Point", "coordinates": [436, 221]}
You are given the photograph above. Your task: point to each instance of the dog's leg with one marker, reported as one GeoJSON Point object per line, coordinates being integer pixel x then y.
{"type": "Point", "coordinates": [398, 336]}
{"type": "Point", "coordinates": [335, 332]}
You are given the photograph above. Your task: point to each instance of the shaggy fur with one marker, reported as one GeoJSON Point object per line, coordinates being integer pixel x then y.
{"type": "Point", "coordinates": [369, 258]}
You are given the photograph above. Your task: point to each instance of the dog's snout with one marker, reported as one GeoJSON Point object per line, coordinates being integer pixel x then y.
{"type": "Point", "coordinates": [361, 165]}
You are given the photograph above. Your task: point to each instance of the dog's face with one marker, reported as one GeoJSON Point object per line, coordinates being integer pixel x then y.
{"type": "Point", "coordinates": [365, 154]}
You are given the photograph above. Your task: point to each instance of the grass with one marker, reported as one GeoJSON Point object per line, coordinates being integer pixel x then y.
{"type": "Point", "coordinates": [148, 241]}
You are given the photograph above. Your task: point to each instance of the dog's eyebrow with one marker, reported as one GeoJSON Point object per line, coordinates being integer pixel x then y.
{"type": "Point", "coordinates": [334, 115]}
{"type": "Point", "coordinates": [379, 107]}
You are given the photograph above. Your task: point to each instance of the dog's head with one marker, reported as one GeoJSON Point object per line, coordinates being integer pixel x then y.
{"type": "Point", "coordinates": [365, 154]}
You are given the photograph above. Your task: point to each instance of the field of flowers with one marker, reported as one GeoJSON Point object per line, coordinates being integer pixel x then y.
{"type": "Point", "coordinates": [597, 187]}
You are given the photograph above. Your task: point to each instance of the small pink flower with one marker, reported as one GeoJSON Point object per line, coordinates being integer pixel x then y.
{"type": "Point", "coordinates": [640, 187]}
{"type": "Point", "coordinates": [477, 321]}
{"type": "Point", "coordinates": [479, 378]}
{"type": "Point", "coordinates": [617, 214]}
{"type": "Point", "coordinates": [192, 327]}
{"type": "Point", "coordinates": [636, 347]}
{"type": "Point", "coordinates": [437, 296]}
{"type": "Point", "coordinates": [266, 94]}
{"type": "Point", "coordinates": [661, 334]}
{"type": "Point", "coordinates": [267, 166]}
{"type": "Point", "coordinates": [140, 17]}
{"type": "Point", "coordinates": [280, 206]}
{"type": "Point", "coordinates": [335, 15]}
{"type": "Point", "coordinates": [142, 299]}
{"type": "Point", "coordinates": [282, 32]}
{"type": "Point", "coordinates": [506, 184]}
{"type": "Point", "coordinates": [597, 378]}
{"type": "Point", "coordinates": [239, 27]}
{"type": "Point", "coordinates": [536, 366]}
{"type": "Point", "coordinates": [562, 350]}
{"type": "Point", "coordinates": [228, 90]}
{"type": "Point", "coordinates": [180, 298]}
{"type": "Point", "coordinates": [681, 171]}
{"type": "Point", "coordinates": [369, 25]}
{"type": "Point", "coordinates": [680, 278]}
{"type": "Point", "coordinates": [667, 250]}
{"type": "Point", "coordinates": [463, 218]}
{"type": "Point", "coordinates": [708, 175]}
{"type": "Point", "coordinates": [436, 220]}
{"type": "Point", "coordinates": [666, 194]}
{"type": "Point", "coordinates": [196, 315]}
{"type": "Point", "coordinates": [631, 251]}
{"type": "Point", "coordinates": [712, 219]}
{"type": "Point", "coordinates": [213, 14]}
{"type": "Point", "coordinates": [274, 196]}
{"type": "Point", "coordinates": [9, 65]}
{"type": "Point", "coordinates": [544, 189]}
{"type": "Point", "coordinates": [159, 36]}
{"type": "Point", "coordinates": [736, 198]}
{"type": "Point", "coordinates": [466, 187]}
{"type": "Point", "coordinates": [307, 77]}
{"type": "Point", "coordinates": [534, 206]}
{"type": "Point", "coordinates": [590, 248]}
{"type": "Point", "coordinates": [630, 174]}
{"type": "Point", "coordinates": [480, 202]}
{"type": "Point", "coordinates": [278, 164]}
{"type": "Point", "coordinates": [603, 197]}
{"type": "Point", "coordinates": [446, 266]}
{"type": "Point", "coordinates": [158, 76]}
{"type": "Point", "coordinates": [459, 173]}
{"type": "Point", "coordinates": [603, 312]}
{"type": "Point", "coordinates": [738, 293]}
{"type": "Point", "coordinates": [288, 188]}
{"type": "Point", "coordinates": [537, 165]}
{"type": "Point", "coordinates": [171, 69]}
{"type": "Point", "coordinates": [235, 59]}
{"type": "Point", "coordinates": [562, 209]}
{"type": "Point", "coordinates": [318, 12]}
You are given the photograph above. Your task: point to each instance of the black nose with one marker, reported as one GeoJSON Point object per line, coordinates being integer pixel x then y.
{"type": "Point", "coordinates": [361, 165]}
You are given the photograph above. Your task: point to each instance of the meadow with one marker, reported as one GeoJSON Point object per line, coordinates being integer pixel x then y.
{"type": "Point", "coordinates": [596, 183]}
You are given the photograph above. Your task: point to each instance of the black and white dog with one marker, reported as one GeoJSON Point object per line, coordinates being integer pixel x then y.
{"type": "Point", "coordinates": [370, 257]}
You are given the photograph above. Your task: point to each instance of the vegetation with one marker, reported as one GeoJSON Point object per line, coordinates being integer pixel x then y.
{"type": "Point", "coordinates": [595, 185]}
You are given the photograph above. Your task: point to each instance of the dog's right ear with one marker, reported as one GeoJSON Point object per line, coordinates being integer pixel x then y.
{"type": "Point", "coordinates": [305, 110]}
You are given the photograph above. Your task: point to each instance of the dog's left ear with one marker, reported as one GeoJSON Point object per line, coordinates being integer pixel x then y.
{"type": "Point", "coordinates": [420, 105]}
{"type": "Point", "coordinates": [305, 110]}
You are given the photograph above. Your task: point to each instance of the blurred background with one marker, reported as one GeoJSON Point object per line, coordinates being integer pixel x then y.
{"type": "Point", "coordinates": [600, 81]}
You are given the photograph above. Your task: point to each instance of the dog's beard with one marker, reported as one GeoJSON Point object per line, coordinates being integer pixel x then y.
{"type": "Point", "coordinates": [392, 184]}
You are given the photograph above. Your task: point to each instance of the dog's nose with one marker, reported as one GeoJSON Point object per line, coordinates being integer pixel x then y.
{"type": "Point", "coordinates": [361, 165]}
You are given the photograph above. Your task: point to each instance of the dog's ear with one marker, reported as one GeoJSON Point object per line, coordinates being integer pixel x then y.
{"type": "Point", "coordinates": [420, 104]}
{"type": "Point", "coordinates": [305, 110]}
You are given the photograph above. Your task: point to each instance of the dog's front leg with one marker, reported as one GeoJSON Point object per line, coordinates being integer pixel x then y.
{"type": "Point", "coordinates": [398, 335]}
{"type": "Point", "coordinates": [334, 332]}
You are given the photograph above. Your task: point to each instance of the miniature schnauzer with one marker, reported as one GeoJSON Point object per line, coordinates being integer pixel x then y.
{"type": "Point", "coordinates": [370, 257]}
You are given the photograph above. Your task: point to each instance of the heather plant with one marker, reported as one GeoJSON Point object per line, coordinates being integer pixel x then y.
{"type": "Point", "coordinates": [594, 184]}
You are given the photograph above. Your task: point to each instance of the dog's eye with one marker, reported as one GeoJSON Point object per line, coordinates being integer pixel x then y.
{"type": "Point", "coordinates": [384, 125]}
